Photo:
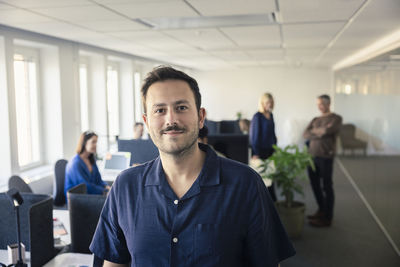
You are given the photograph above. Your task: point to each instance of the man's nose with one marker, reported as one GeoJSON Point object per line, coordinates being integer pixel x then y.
{"type": "Point", "coordinates": [171, 117]}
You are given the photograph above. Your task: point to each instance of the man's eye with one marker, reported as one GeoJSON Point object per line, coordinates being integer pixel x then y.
{"type": "Point", "coordinates": [159, 110]}
{"type": "Point", "coordinates": [181, 108]}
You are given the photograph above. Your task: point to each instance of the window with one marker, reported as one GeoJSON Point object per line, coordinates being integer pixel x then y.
{"type": "Point", "coordinates": [112, 101]}
{"type": "Point", "coordinates": [83, 85]}
{"type": "Point", "coordinates": [27, 107]}
{"type": "Point", "coordinates": [138, 98]}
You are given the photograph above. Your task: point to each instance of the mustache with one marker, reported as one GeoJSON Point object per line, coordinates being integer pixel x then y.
{"type": "Point", "coordinates": [172, 128]}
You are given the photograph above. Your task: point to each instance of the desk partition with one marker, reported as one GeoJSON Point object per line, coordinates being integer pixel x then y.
{"type": "Point", "coordinates": [36, 219]}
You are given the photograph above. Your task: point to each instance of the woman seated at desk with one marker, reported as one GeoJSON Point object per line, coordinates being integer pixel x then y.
{"type": "Point", "coordinates": [82, 167]}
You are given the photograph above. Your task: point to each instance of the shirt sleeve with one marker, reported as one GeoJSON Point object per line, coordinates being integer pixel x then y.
{"type": "Point", "coordinates": [333, 127]}
{"type": "Point", "coordinates": [254, 135]}
{"type": "Point", "coordinates": [308, 131]}
{"type": "Point", "coordinates": [266, 242]}
{"type": "Point", "coordinates": [109, 242]}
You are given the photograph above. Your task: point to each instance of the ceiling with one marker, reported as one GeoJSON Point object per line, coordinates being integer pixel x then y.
{"type": "Point", "coordinates": [214, 34]}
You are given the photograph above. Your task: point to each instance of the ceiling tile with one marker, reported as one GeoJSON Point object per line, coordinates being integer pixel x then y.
{"type": "Point", "coordinates": [5, 6]}
{"type": "Point", "coordinates": [154, 9]}
{"type": "Point", "coordinates": [230, 55]}
{"type": "Point", "coordinates": [112, 25]}
{"type": "Point", "coordinates": [270, 63]}
{"type": "Point", "coordinates": [266, 54]}
{"type": "Point", "coordinates": [371, 25]}
{"type": "Point", "coordinates": [266, 36]}
{"type": "Point", "coordinates": [317, 10]}
{"type": "Point", "coordinates": [152, 39]}
{"type": "Point", "coordinates": [246, 64]}
{"type": "Point", "coordinates": [187, 53]}
{"type": "Point", "coordinates": [62, 30]}
{"type": "Point", "coordinates": [233, 7]}
{"type": "Point", "coordinates": [46, 3]}
{"type": "Point", "coordinates": [206, 39]}
{"type": "Point", "coordinates": [79, 13]}
{"type": "Point", "coordinates": [14, 16]}
{"type": "Point", "coordinates": [303, 55]}
{"type": "Point", "coordinates": [129, 1]}
{"type": "Point", "coordinates": [310, 35]}
{"type": "Point", "coordinates": [142, 36]}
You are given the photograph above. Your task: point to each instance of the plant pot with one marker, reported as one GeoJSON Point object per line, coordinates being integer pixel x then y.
{"type": "Point", "coordinates": [292, 218]}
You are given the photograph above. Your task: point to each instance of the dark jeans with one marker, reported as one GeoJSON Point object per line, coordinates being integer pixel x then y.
{"type": "Point", "coordinates": [323, 193]}
{"type": "Point", "coordinates": [264, 154]}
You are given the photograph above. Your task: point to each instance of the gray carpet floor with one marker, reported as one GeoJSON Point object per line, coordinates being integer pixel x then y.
{"type": "Point", "coordinates": [354, 239]}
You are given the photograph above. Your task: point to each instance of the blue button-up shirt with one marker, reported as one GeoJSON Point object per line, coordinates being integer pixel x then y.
{"type": "Point", "coordinates": [225, 219]}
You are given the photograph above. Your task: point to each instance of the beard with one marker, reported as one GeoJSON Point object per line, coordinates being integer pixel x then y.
{"type": "Point", "coordinates": [176, 146]}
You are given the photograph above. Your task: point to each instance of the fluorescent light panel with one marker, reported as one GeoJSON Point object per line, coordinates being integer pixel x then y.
{"type": "Point", "coordinates": [208, 22]}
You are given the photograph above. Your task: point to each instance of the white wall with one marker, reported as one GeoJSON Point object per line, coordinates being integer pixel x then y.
{"type": "Point", "coordinates": [70, 97]}
{"type": "Point", "coordinates": [5, 155]}
{"type": "Point", "coordinates": [224, 93]}
{"type": "Point", "coordinates": [126, 98]}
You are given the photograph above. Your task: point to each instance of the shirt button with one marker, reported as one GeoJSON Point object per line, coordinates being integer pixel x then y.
{"type": "Point", "coordinates": [176, 202]}
{"type": "Point", "coordinates": [175, 240]}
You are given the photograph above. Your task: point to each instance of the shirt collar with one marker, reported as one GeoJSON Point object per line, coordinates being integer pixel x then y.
{"type": "Point", "coordinates": [209, 175]}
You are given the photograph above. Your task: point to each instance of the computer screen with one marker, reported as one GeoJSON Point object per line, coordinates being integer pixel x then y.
{"type": "Point", "coordinates": [117, 161]}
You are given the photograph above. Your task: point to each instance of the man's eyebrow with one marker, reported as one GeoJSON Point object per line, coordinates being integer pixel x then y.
{"type": "Point", "coordinates": [178, 102]}
{"type": "Point", "coordinates": [159, 105]}
{"type": "Point", "coordinates": [181, 102]}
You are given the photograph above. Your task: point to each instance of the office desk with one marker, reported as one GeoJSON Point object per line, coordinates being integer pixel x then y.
{"type": "Point", "coordinates": [63, 216]}
{"type": "Point", "coordinates": [71, 260]}
{"type": "Point", "coordinates": [4, 257]}
{"type": "Point", "coordinates": [65, 259]}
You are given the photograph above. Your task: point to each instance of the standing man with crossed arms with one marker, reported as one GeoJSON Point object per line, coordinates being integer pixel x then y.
{"type": "Point", "coordinates": [321, 134]}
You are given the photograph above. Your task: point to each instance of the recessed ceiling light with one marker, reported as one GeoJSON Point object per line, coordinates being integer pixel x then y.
{"type": "Point", "coordinates": [208, 22]}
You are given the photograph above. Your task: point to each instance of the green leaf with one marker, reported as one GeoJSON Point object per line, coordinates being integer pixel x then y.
{"type": "Point", "coordinates": [290, 164]}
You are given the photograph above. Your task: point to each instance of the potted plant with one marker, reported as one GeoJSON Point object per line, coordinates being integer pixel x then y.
{"type": "Point", "coordinates": [285, 167]}
{"type": "Point", "coordinates": [239, 115]}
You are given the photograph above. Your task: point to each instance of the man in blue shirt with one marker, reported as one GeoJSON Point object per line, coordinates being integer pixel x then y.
{"type": "Point", "coordinates": [188, 207]}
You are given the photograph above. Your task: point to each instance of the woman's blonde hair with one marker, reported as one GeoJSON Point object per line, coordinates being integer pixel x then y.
{"type": "Point", "coordinates": [264, 97]}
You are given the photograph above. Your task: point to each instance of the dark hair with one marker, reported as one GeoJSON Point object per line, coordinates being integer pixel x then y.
{"type": "Point", "coordinates": [137, 124]}
{"type": "Point", "coordinates": [164, 73]}
{"type": "Point", "coordinates": [326, 98]}
{"type": "Point", "coordinates": [80, 148]}
{"type": "Point", "coordinates": [203, 132]}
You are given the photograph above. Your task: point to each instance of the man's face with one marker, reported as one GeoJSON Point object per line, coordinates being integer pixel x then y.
{"type": "Point", "coordinates": [322, 105]}
{"type": "Point", "coordinates": [172, 117]}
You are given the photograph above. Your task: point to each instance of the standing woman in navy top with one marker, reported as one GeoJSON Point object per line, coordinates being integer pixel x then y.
{"type": "Point", "coordinates": [262, 133]}
{"type": "Point", "coordinates": [82, 167]}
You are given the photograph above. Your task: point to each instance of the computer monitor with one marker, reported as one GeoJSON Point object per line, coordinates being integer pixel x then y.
{"type": "Point", "coordinates": [141, 150]}
{"type": "Point", "coordinates": [233, 146]}
{"type": "Point", "coordinates": [117, 161]}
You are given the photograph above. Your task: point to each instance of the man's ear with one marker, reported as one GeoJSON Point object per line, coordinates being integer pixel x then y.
{"type": "Point", "coordinates": [144, 116]}
{"type": "Point", "coordinates": [202, 117]}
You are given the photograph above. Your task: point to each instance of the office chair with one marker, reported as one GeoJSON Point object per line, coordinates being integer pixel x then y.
{"type": "Point", "coordinates": [58, 182]}
{"type": "Point", "coordinates": [349, 141]}
{"type": "Point", "coordinates": [84, 213]}
{"type": "Point", "coordinates": [18, 183]}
